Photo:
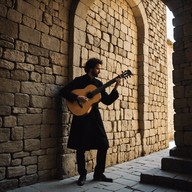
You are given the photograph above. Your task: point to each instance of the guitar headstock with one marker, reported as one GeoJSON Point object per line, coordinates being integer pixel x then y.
{"type": "Point", "coordinates": [125, 74]}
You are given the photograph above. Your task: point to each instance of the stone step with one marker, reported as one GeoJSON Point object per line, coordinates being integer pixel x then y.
{"type": "Point", "coordinates": [176, 164]}
{"type": "Point", "coordinates": [163, 178]}
{"type": "Point", "coordinates": [184, 152]}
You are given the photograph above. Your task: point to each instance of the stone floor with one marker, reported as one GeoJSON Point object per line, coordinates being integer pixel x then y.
{"type": "Point", "coordinates": [126, 178]}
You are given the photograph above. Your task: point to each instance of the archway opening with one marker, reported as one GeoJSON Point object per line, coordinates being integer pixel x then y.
{"type": "Point", "coordinates": [170, 41]}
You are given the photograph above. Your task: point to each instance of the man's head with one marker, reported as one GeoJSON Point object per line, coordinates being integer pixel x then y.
{"type": "Point", "coordinates": [92, 66]}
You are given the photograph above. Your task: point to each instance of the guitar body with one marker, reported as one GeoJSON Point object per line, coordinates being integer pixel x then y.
{"type": "Point", "coordinates": [94, 96]}
{"type": "Point", "coordinates": [76, 109]}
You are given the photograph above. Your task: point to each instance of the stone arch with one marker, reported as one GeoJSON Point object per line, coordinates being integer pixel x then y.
{"type": "Point", "coordinates": [78, 22]}
{"type": "Point", "coordinates": [78, 25]}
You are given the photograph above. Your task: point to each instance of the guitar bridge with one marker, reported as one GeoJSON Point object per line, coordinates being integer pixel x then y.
{"type": "Point", "coordinates": [79, 103]}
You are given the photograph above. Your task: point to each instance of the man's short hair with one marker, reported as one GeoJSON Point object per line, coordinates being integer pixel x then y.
{"type": "Point", "coordinates": [91, 63]}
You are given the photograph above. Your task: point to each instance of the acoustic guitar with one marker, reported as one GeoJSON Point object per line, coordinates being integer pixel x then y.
{"type": "Point", "coordinates": [93, 94]}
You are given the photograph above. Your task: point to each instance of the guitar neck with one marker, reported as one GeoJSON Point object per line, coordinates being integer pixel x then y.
{"type": "Point", "coordinates": [99, 89]}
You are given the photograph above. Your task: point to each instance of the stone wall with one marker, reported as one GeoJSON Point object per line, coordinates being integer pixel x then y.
{"type": "Point", "coordinates": [156, 111]}
{"type": "Point", "coordinates": [182, 79]}
{"type": "Point", "coordinates": [33, 65]}
{"type": "Point", "coordinates": [36, 59]}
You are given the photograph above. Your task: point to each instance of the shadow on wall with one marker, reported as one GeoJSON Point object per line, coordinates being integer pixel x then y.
{"type": "Point", "coordinates": [59, 115]}
{"type": "Point", "coordinates": [63, 124]}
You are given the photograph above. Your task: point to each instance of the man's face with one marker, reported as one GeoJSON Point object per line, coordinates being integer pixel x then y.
{"type": "Point", "coordinates": [96, 70]}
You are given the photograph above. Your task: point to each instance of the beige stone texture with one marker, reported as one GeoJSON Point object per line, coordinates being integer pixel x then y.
{"type": "Point", "coordinates": [41, 51]}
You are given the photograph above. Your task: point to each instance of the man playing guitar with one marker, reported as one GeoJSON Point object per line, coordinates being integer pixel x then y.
{"type": "Point", "coordinates": [87, 130]}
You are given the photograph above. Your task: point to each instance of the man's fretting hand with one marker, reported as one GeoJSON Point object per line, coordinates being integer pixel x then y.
{"type": "Point", "coordinates": [118, 82]}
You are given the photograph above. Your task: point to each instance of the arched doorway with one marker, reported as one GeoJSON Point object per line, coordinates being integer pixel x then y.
{"type": "Point", "coordinates": [141, 116]}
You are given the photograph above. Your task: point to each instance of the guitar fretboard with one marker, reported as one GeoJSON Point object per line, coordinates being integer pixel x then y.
{"type": "Point", "coordinates": [99, 89]}
{"type": "Point", "coordinates": [125, 74]}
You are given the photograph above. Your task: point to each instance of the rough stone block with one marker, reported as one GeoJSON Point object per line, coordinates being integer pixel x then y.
{"type": "Point", "coordinates": [21, 46]}
{"type": "Point", "coordinates": [56, 31]}
{"type": "Point", "coordinates": [50, 43]}
{"type": "Point", "coordinates": [50, 79]}
{"type": "Point", "coordinates": [26, 33]}
{"type": "Point", "coordinates": [14, 15]}
{"type": "Point", "coordinates": [68, 164]}
{"type": "Point", "coordinates": [31, 144]}
{"type": "Point", "coordinates": [20, 75]}
{"type": "Point", "coordinates": [36, 77]}
{"type": "Point", "coordinates": [6, 44]}
{"type": "Point", "coordinates": [16, 162]}
{"type": "Point", "coordinates": [46, 162]}
{"type": "Point", "coordinates": [39, 69]}
{"type": "Point", "coordinates": [56, 70]}
{"type": "Point", "coordinates": [38, 51]}
{"type": "Point", "coordinates": [6, 64]}
{"type": "Point", "coordinates": [57, 58]}
{"type": "Point", "coordinates": [3, 10]}
{"type": "Point", "coordinates": [9, 27]}
{"type": "Point", "coordinates": [21, 100]}
{"type": "Point", "coordinates": [7, 184]}
{"type": "Point", "coordinates": [28, 180]}
{"type": "Point", "coordinates": [4, 134]}
{"type": "Point", "coordinates": [40, 26]}
{"type": "Point", "coordinates": [32, 88]}
{"type": "Point", "coordinates": [16, 171]}
{"type": "Point", "coordinates": [17, 133]}
{"type": "Point", "coordinates": [10, 121]}
{"type": "Point", "coordinates": [4, 110]}
{"type": "Point", "coordinates": [11, 147]}
{"type": "Point", "coordinates": [6, 99]}
{"type": "Point", "coordinates": [31, 169]}
{"type": "Point", "coordinates": [2, 173]}
{"type": "Point", "coordinates": [29, 10]}
{"type": "Point", "coordinates": [8, 85]}
{"type": "Point", "coordinates": [19, 110]}
{"type": "Point", "coordinates": [25, 66]}
{"type": "Point", "coordinates": [30, 160]}
{"type": "Point", "coordinates": [47, 19]}
{"type": "Point", "coordinates": [29, 119]}
{"type": "Point", "coordinates": [14, 55]}
{"type": "Point", "coordinates": [28, 22]}
{"type": "Point", "coordinates": [5, 160]}
{"type": "Point", "coordinates": [20, 154]}
{"type": "Point", "coordinates": [31, 132]}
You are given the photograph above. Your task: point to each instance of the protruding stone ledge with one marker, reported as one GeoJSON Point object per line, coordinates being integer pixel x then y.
{"type": "Point", "coordinates": [162, 178]}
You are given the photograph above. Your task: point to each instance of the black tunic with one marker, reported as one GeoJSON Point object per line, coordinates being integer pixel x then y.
{"type": "Point", "coordinates": [87, 132]}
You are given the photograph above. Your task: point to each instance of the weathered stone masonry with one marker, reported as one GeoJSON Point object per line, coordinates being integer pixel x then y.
{"type": "Point", "coordinates": [44, 44]}
{"type": "Point", "coordinates": [179, 160]}
{"type": "Point", "coordinates": [33, 65]}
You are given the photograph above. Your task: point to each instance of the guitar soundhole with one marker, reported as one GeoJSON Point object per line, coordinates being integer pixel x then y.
{"type": "Point", "coordinates": [90, 95]}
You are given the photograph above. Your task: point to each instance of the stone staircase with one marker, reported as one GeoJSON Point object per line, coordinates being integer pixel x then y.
{"type": "Point", "coordinates": [175, 173]}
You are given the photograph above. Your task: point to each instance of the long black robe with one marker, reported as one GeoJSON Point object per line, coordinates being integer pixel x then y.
{"type": "Point", "coordinates": [87, 132]}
